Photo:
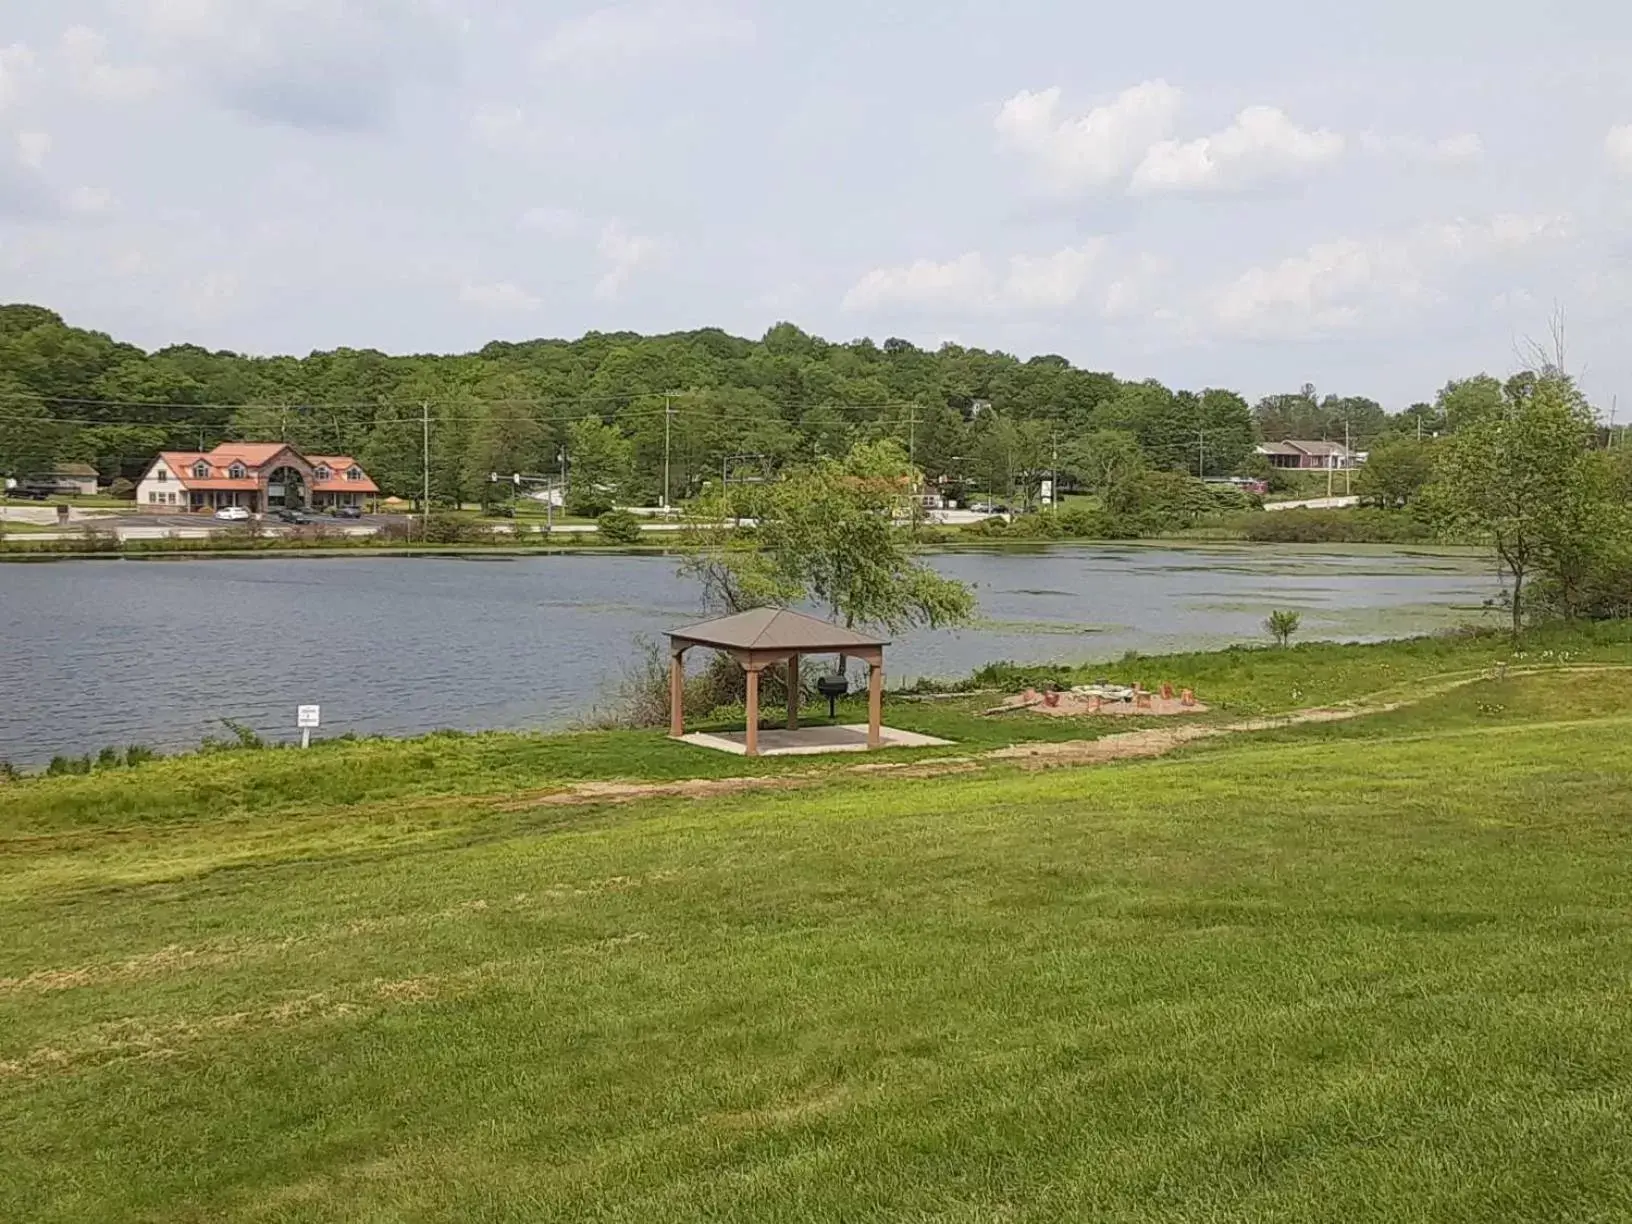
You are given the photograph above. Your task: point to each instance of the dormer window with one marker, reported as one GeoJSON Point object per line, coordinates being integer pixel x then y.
{"type": "Point", "coordinates": [201, 470]}
{"type": "Point", "coordinates": [236, 471]}
{"type": "Point", "coordinates": [322, 473]}
{"type": "Point", "coordinates": [355, 473]}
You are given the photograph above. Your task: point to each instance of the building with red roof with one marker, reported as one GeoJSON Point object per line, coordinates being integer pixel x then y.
{"type": "Point", "coordinates": [260, 476]}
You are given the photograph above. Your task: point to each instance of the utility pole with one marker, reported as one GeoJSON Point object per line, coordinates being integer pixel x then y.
{"type": "Point", "coordinates": [1348, 461]}
{"type": "Point", "coordinates": [1201, 454]}
{"type": "Point", "coordinates": [912, 434]}
{"type": "Point", "coordinates": [425, 465]}
{"type": "Point", "coordinates": [668, 418]}
{"type": "Point", "coordinates": [1054, 472]}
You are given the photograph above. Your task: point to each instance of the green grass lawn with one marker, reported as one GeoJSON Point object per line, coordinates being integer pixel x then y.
{"type": "Point", "coordinates": [1378, 970]}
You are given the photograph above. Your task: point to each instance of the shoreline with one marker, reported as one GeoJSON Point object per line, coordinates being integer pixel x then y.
{"type": "Point", "coordinates": [511, 552]}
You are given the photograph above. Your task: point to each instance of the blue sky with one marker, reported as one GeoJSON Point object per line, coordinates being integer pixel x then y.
{"type": "Point", "coordinates": [1370, 198]}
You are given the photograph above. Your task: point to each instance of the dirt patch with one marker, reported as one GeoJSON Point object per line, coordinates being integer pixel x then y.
{"type": "Point", "coordinates": [1073, 704]}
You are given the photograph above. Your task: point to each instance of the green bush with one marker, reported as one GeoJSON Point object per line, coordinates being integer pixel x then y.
{"type": "Point", "coordinates": [618, 527]}
{"type": "Point", "coordinates": [1358, 526]}
{"type": "Point", "coordinates": [123, 488]}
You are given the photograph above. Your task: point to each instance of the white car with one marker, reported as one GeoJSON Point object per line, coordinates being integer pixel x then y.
{"type": "Point", "coordinates": [233, 514]}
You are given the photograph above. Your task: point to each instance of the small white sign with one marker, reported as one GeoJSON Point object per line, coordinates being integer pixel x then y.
{"type": "Point", "coordinates": [309, 716]}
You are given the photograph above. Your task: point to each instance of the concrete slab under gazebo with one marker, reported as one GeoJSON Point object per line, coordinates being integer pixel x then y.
{"type": "Point", "coordinates": [762, 638]}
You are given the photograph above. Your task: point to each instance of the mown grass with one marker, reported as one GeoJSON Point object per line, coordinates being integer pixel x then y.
{"type": "Point", "coordinates": [1373, 972]}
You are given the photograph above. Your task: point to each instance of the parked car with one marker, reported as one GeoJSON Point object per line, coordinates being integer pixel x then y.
{"type": "Point", "coordinates": [233, 514]}
{"type": "Point", "coordinates": [288, 514]}
{"type": "Point", "coordinates": [348, 512]}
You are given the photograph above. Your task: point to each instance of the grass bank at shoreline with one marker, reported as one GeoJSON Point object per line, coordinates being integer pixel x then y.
{"type": "Point", "coordinates": [1370, 970]}
{"type": "Point", "coordinates": [1234, 683]}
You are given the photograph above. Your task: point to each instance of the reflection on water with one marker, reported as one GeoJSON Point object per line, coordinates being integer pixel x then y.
{"type": "Point", "coordinates": [157, 652]}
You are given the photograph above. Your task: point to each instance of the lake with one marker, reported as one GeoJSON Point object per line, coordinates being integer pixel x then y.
{"type": "Point", "coordinates": [159, 652]}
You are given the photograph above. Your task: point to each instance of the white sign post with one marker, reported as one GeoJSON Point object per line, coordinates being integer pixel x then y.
{"type": "Point", "coordinates": [307, 717]}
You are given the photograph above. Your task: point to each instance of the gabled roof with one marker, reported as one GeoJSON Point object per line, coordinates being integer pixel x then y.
{"type": "Point", "coordinates": [338, 466]}
{"type": "Point", "coordinates": [774, 629]}
{"type": "Point", "coordinates": [1297, 446]}
{"type": "Point", "coordinates": [255, 457]}
{"type": "Point", "coordinates": [73, 469]}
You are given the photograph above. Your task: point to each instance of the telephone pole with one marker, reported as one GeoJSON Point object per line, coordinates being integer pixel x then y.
{"type": "Point", "coordinates": [1201, 454]}
{"type": "Point", "coordinates": [1348, 461]}
{"type": "Point", "coordinates": [425, 467]}
{"type": "Point", "coordinates": [668, 419]}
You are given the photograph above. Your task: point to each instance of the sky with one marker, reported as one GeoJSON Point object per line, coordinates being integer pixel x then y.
{"type": "Point", "coordinates": [1370, 198]}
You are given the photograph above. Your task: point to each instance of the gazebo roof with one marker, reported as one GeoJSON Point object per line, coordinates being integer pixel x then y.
{"type": "Point", "coordinates": [774, 629]}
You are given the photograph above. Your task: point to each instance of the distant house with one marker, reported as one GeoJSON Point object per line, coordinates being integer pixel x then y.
{"type": "Point", "coordinates": [1295, 453]}
{"type": "Point", "coordinates": [260, 476]}
{"type": "Point", "coordinates": [75, 479]}
{"type": "Point", "coordinates": [62, 480]}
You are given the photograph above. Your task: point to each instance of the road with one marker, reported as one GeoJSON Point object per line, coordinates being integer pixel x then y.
{"type": "Point", "coordinates": [1314, 503]}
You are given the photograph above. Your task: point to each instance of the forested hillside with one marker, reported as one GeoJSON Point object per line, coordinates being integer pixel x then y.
{"type": "Point", "coordinates": [986, 418]}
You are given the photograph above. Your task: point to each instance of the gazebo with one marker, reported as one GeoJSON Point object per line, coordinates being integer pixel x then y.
{"type": "Point", "coordinates": [764, 637]}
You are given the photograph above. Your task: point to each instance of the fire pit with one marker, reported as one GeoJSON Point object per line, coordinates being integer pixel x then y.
{"type": "Point", "coordinates": [832, 687]}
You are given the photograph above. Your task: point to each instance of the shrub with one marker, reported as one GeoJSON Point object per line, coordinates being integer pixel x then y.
{"type": "Point", "coordinates": [9, 773]}
{"type": "Point", "coordinates": [63, 766]}
{"type": "Point", "coordinates": [1282, 624]}
{"type": "Point", "coordinates": [109, 758]}
{"type": "Point", "coordinates": [123, 488]}
{"type": "Point", "coordinates": [450, 529]}
{"type": "Point", "coordinates": [618, 527]}
{"type": "Point", "coordinates": [1012, 677]}
{"type": "Point", "coordinates": [139, 754]}
{"type": "Point", "coordinates": [1358, 526]}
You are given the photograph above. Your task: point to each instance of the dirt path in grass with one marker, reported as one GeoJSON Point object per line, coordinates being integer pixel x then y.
{"type": "Point", "coordinates": [1122, 746]}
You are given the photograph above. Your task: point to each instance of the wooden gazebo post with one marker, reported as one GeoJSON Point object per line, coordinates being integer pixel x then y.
{"type": "Point", "coordinates": [751, 740]}
{"type": "Point", "coordinates": [793, 692]}
{"type": "Point", "coordinates": [875, 701]}
{"type": "Point", "coordinates": [677, 691]}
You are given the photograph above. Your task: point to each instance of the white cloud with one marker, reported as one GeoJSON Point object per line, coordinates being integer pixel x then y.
{"type": "Point", "coordinates": [958, 282]}
{"type": "Point", "coordinates": [1332, 284]}
{"type": "Point", "coordinates": [32, 148]}
{"type": "Point", "coordinates": [499, 295]}
{"type": "Point", "coordinates": [969, 282]}
{"type": "Point", "coordinates": [1050, 281]}
{"type": "Point", "coordinates": [15, 62]}
{"type": "Point", "coordinates": [1262, 143]}
{"type": "Point", "coordinates": [623, 33]}
{"type": "Point", "coordinates": [554, 222]}
{"type": "Point", "coordinates": [90, 201]}
{"type": "Point", "coordinates": [1132, 291]}
{"type": "Point", "coordinates": [86, 52]}
{"type": "Point", "coordinates": [1618, 147]}
{"type": "Point", "coordinates": [1460, 150]}
{"type": "Point", "coordinates": [1093, 149]}
{"type": "Point", "coordinates": [623, 252]}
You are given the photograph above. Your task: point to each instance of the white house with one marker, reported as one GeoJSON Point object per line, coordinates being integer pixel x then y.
{"type": "Point", "coordinates": [259, 476]}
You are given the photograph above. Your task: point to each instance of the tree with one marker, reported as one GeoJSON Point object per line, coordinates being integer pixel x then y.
{"type": "Point", "coordinates": [30, 439]}
{"type": "Point", "coordinates": [1282, 624]}
{"type": "Point", "coordinates": [828, 533]}
{"type": "Point", "coordinates": [1516, 472]}
{"type": "Point", "coordinates": [601, 460]}
{"type": "Point", "coordinates": [1396, 472]}
{"type": "Point", "coordinates": [1101, 459]}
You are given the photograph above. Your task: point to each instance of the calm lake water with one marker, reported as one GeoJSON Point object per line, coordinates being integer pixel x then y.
{"type": "Point", "coordinates": [158, 652]}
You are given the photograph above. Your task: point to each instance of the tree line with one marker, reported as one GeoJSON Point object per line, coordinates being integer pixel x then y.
{"type": "Point", "coordinates": [629, 414]}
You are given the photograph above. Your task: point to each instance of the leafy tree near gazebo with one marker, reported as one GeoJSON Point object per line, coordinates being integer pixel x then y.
{"type": "Point", "coordinates": [829, 534]}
